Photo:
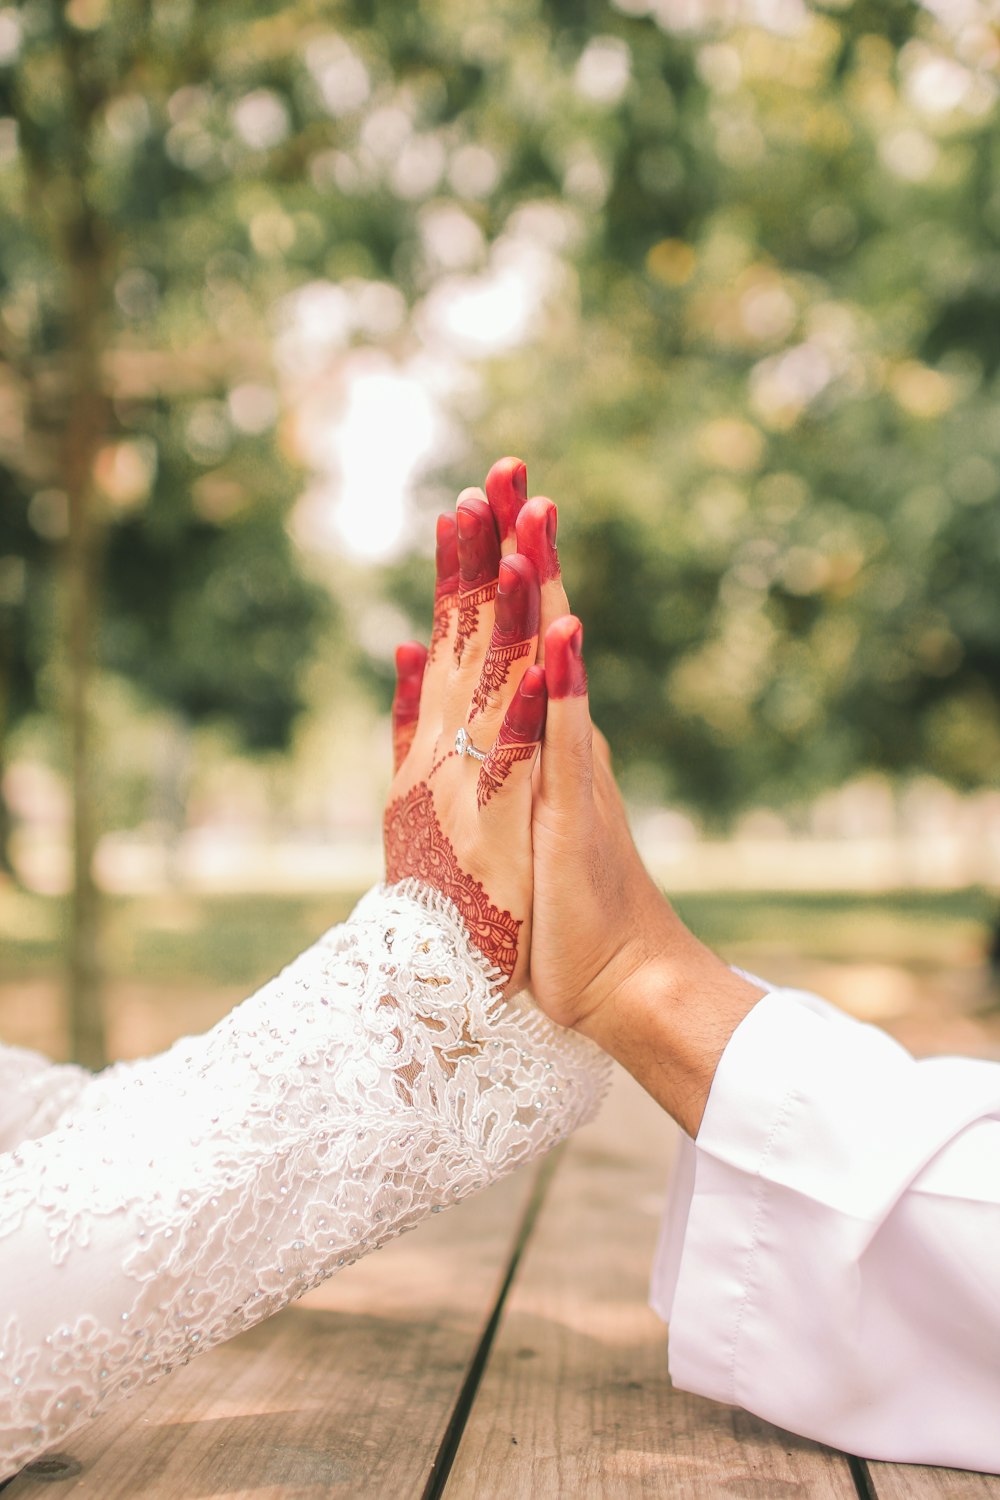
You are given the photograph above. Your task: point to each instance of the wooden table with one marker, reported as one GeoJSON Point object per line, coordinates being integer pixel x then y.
{"type": "Point", "coordinates": [503, 1351]}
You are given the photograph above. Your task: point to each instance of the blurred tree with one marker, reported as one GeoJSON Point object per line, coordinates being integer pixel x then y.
{"type": "Point", "coordinates": [22, 591]}
{"type": "Point", "coordinates": [168, 173]}
{"type": "Point", "coordinates": [136, 368]}
{"type": "Point", "coordinates": [767, 397]}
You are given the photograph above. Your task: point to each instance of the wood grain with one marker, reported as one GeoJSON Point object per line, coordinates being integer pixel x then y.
{"type": "Point", "coordinates": [907, 1482]}
{"type": "Point", "coordinates": [347, 1393]}
{"type": "Point", "coordinates": [576, 1400]}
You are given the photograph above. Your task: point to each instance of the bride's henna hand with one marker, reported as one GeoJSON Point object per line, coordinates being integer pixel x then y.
{"type": "Point", "coordinates": [456, 824]}
{"type": "Point", "coordinates": [417, 848]}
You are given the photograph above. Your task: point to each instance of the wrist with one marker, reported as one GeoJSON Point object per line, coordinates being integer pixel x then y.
{"type": "Point", "coordinates": [667, 1014]}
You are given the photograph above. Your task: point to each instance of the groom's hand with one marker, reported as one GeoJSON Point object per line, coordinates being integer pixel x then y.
{"type": "Point", "coordinates": [609, 955]}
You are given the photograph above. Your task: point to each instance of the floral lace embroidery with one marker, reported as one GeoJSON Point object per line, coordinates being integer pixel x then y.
{"type": "Point", "coordinates": [34, 1094]}
{"type": "Point", "coordinates": [184, 1198]}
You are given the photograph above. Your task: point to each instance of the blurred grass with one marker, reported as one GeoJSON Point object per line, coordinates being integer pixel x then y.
{"type": "Point", "coordinates": [241, 940]}
{"type": "Point", "coordinates": [177, 936]}
{"type": "Point", "coordinates": [912, 929]}
{"type": "Point", "coordinates": [913, 961]}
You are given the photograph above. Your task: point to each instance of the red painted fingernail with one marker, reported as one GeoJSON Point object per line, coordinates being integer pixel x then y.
{"type": "Point", "coordinates": [525, 721]}
{"type": "Point", "coordinates": [506, 490]}
{"type": "Point", "coordinates": [536, 536]}
{"type": "Point", "coordinates": [478, 543]}
{"type": "Point", "coordinates": [469, 524]}
{"type": "Point", "coordinates": [565, 673]}
{"type": "Point", "coordinates": [446, 556]}
{"type": "Point", "coordinates": [518, 602]}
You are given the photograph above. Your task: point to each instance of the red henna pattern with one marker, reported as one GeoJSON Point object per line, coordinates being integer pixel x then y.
{"type": "Point", "coordinates": [469, 605]}
{"type": "Point", "coordinates": [440, 762]}
{"type": "Point", "coordinates": [505, 755]}
{"type": "Point", "coordinates": [443, 606]}
{"type": "Point", "coordinates": [496, 670]}
{"type": "Point", "coordinates": [417, 847]}
{"type": "Point", "coordinates": [494, 772]}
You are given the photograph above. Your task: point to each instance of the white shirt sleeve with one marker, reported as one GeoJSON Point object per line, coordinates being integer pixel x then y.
{"type": "Point", "coordinates": [830, 1256]}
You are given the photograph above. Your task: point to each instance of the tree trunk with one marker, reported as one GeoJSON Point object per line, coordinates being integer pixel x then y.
{"type": "Point", "coordinates": [84, 1010]}
{"type": "Point", "coordinates": [87, 278]}
{"type": "Point", "coordinates": [6, 827]}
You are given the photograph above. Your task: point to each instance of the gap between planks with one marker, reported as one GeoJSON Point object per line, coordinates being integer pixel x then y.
{"type": "Point", "coordinates": [346, 1393]}
{"type": "Point", "coordinates": [916, 1482]}
{"type": "Point", "coordinates": [575, 1399]}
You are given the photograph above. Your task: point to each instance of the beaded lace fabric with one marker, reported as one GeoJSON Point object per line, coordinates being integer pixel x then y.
{"type": "Point", "coordinates": [155, 1209]}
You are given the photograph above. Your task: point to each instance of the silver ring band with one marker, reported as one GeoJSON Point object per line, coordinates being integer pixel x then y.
{"type": "Point", "coordinates": [464, 745]}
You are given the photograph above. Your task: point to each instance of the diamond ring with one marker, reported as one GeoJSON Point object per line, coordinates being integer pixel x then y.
{"type": "Point", "coordinates": [464, 745]}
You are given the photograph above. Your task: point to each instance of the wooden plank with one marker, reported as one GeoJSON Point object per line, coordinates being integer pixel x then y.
{"type": "Point", "coordinates": [576, 1399]}
{"type": "Point", "coordinates": [346, 1393]}
{"type": "Point", "coordinates": [909, 1482]}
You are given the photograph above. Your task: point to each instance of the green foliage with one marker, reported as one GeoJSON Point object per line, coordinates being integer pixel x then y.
{"type": "Point", "coordinates": [130, 197]}
{"type": "Point", "coordinates": [770, 415]}
{"type": "Point", "coordinates": [764, 390]}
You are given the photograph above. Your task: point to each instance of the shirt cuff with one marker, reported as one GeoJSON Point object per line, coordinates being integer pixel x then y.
{"type": "Point", "coordinates": [813, 1119]}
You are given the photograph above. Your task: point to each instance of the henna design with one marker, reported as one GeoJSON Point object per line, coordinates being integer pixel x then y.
{"type": "Point", "coordinates": [440, 762]}
{"type": "Point", "coordinates": [519, 737]}
{"type": "Point", "coordinates": [417, 847]}
{"type": "Point", "coordinates": [495, 770]}
{"type": "Point", "coordinates": [478, 563]}
{"type": "Point", "coordinates": [496, 670]}
{"type": "Point", "coordinates": [470, 602]}
{"type": "Point", "coordinates": [443, 606]}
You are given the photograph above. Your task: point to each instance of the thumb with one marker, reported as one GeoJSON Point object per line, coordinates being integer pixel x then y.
{"type": "Point", "coordinates": [567, 764]}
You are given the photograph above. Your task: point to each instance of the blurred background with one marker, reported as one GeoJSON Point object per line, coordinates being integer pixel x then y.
{"type": "Point", "coordinates": [277, 280]}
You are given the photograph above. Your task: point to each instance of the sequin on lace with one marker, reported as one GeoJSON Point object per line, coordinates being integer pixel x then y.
{"type": "Point", "coordinates": [184, 1198]}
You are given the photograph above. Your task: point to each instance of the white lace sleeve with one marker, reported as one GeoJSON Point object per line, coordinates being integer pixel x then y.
{"type": "Point", "coordinates": [34, 1094]}
{"type": "Point", "coordinates": [378, 1079]}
